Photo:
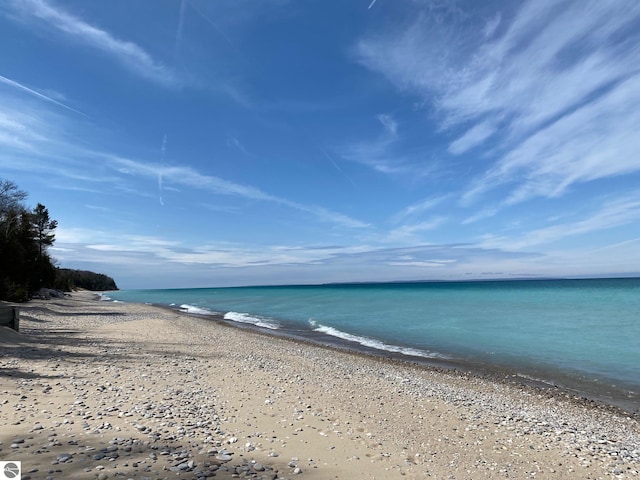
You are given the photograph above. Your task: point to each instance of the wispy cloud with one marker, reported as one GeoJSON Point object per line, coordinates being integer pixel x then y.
{"type": "Point", "coordinates": [595, 141]}
{"type": "Point", "coordinates": [376, 153]}
{"type": "Point", "coordinates": [473, 137]}
{"type": "Point", "coordinates": [221, 255]}
{"type": "Point", "coordinates": [132, 56]}
{"type": "Point", "coordinates": [149, 250]}
{"type": "Point", "coordinates": [481, 215]}
{"type": "Point", "coordinates": [36, 132]}
{"type": "Point", "coordinates": [613, 213]}
{"type": "Point", "coordinates": [28, 127]}
{"type": "Point", "coordinates": [187, 176]}
{"type": "Point", "coordinates": [551, 90]}
{"type": "Point", "coordinates": [232, 141]}
{"type": "Point", "coordinates": [384, 153]}
{"type": "Point", "coordinates": [420, 207]}
{"type": "Point", "coordinates": [389, 123]}
{"type": "Point", "coordinates": [408, 232]}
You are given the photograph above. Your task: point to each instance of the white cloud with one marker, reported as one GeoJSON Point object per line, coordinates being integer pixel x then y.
{"type": "Point", "coordinates": [614, 213]}
{"type": "Point", "coordinates": [132, 56]}
{"type": "Point", "coordinates": [409, 232]}
{"type": "Point", "coordinates": [389, 123]}
{"type": "Point", "coordinates": [34, 131]}
{"type": "Point", "coordinates": [554, 85]}
{"type": "Point", "coordinates": [596, 141]}
{"type": "Point", "coordinates": [492, 25]}
{"type": "Point", "coordinates": [420, 207]}
{"type": "Point", "coordinates": [187, 176]}
{"type": "Point", "coordinates": [383, 152]}
{"type": "Point", "coordinates": [473, 137]}
{"type": "Point", "coordinates": [481, 215]}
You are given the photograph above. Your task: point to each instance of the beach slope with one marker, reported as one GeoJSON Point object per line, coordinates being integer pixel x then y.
{"type": "Point", "coordinates": [92, 389]}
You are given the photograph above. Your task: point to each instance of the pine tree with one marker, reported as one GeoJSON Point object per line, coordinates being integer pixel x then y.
{"type": "Point", "coordinates": [43, 228]}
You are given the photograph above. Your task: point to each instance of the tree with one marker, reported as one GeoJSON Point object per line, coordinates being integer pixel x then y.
{"type": "Point", "coordinates": [43, 228]}
{"type": "Point", "coordinates": [11, 197]}
{"type": "Point", "coordinates": [11, 207]}
{"type": "Point", "coordinates": [25, 265]}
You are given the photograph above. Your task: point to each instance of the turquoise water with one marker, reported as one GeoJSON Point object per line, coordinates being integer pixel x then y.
{"type": "Point", "coordinates": [577, 332]}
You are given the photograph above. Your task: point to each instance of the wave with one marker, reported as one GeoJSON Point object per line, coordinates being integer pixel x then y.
{"type": "Point", "coordinates": [372, 343]}
{"type": "Point", "coordinates": [252, 319]}
{"type": "Point", "coordinates": [186, 308]}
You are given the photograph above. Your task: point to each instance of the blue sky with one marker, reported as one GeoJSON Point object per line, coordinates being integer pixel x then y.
{"type": "Point", "coordinates": [184, 143]}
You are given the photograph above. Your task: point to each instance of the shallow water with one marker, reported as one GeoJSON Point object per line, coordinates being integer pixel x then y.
{"type": "Point", "coordinates": [574, 332]}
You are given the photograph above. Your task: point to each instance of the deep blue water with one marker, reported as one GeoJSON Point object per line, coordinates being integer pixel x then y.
{"type": "Point", "coordinates": [584, 332]}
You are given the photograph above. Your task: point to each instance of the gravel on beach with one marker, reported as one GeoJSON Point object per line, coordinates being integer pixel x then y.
{"type": "Point", "coordinates": [107, 390]}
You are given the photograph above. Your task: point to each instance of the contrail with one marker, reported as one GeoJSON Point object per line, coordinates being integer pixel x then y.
{"type": "Point", "coordinates": [372, 4]}
{"type": "Point", "coordinates": [213, 24]}
{"type": "Point", "coordinates": [163, 150]}
{"type": "Point", "coordinates": [337, 167]}
{"type": "Point", "coordinates": [8, 81]}
{"type": "Point", "coordinates": [176, 51]}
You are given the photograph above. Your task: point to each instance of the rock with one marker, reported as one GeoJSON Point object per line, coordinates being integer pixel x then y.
{"type": "Point", "coordinates": [64, 457]}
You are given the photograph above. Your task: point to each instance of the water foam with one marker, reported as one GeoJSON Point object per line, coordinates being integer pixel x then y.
{"type": "Point", "coordinates": [251, 319]}
{"type": "Point", "coordinates": [371, 343]}
{"type": "Point", "coordinates": [186, 308]}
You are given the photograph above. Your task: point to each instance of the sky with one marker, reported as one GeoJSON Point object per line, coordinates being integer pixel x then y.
{"type": "Point", "coordinates": [203, 143]}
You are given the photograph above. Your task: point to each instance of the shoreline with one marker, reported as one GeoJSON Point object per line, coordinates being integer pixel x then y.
{"type": "Point", "coordinates": [619, 399]}
{"type": "Point", "coordinates": [101, 390]}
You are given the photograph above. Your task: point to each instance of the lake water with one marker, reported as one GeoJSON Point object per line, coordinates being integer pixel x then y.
{"type": "Point", "coordinates": [580, 334]}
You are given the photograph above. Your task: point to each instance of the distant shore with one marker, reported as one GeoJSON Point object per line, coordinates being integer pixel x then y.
{"type": "Point", "coordinates": [101, 390]}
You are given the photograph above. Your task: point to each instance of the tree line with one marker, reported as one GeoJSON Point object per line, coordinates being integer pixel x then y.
{"type": "Point", "coordinates": [67, 279]}
{"type": "Point", "coordinates": [25, 263]}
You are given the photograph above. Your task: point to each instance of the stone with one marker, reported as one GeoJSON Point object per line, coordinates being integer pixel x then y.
{"type": "Point", "coordinates": [64, 457]}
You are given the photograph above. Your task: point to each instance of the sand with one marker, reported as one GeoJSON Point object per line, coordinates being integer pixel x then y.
{"type": "Point", "coordinates": [92, 389]}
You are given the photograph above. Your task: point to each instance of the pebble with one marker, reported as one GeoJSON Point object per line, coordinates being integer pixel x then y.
{"type": "Point", "coordinates": [64, 457]}
{"type": "Point", "coordinates": [180, 429]}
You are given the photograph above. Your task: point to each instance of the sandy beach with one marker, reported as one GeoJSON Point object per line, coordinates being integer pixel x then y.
{"type": "Point", "coordinates": [103, 390]}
